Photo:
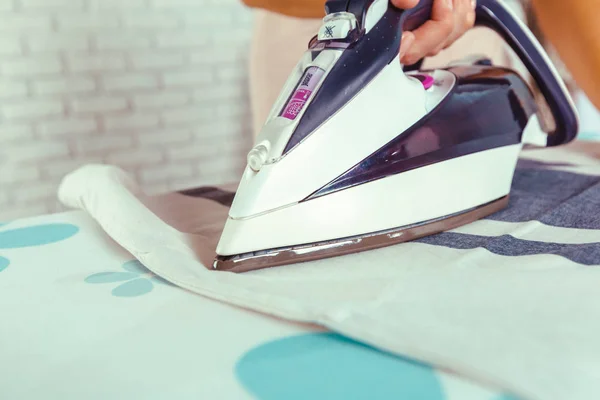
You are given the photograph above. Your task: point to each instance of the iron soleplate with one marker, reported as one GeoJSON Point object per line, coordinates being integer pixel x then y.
{"type": "Point", "coordinates": [344, 246]}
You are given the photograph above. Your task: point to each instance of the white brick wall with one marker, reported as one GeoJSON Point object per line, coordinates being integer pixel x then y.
{"type": "Point", "coordinates": [157, 87]}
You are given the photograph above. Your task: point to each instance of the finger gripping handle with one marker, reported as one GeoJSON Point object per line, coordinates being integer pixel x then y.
{"type": "Point", "coordinates": [413, 18]}
{"type": "Point", "coordinates": [496, 16]}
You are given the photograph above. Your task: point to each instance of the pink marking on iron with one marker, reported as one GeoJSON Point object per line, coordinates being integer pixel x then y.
{"type": "Point", "coordinates": [426, 80]}
{"type": "Point", "coordinates": [308, 84]}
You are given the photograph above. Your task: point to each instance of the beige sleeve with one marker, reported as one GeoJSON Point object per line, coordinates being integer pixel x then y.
{"type": "Point", "coordinates": [573, 29]}
{"type": "Point", "coordinates": [278, 42]}
{"type": "Point", "coordinates": [291, 8]}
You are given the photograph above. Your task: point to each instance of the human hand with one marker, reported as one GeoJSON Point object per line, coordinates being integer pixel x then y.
{"type": "Point", "coordinates": [450, 19]}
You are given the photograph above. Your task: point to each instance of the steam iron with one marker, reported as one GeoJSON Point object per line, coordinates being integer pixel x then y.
{"type": "Point", "coordinates": [359, 152]}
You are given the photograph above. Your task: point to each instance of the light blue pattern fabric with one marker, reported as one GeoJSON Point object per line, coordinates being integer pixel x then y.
{"type": "Point", "coordinates": [111, 277]}
{"type": "Point", "coordinates": [134, 288]}
{"type": "Point", "coordinates": [36, 235]}
{"type": "Point", "coordinates": [4, 263]}
{"type": "Point", "coordinates": [506, 397]}
{"type": "Point", "coordinates": [31, 236]}
{"type": "Point", "coordinates": [589, 136]}
{"type": "Point", "coordinates": [137, 280]}
{"type": "Point", "coordinates": [330, 366]}
{"type": "Point", "coordinates": [136, 267]}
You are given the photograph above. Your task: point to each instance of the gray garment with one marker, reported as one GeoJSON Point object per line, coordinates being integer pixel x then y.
{"type": "Point", "coordinates": [555, 198]}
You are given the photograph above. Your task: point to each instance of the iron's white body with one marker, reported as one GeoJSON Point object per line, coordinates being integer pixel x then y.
{"type": "Point", "coordinates": [418, 195]}
{"type": "Point", "coordinates": [340, 142]}
{"type": "Point", "coordinates": [438, 190]}
{"type": "Point", "coordinates": [267, 211]}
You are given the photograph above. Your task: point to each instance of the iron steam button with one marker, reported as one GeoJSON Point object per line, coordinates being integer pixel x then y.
{"type": "Point", "coordinates": [337, 26]}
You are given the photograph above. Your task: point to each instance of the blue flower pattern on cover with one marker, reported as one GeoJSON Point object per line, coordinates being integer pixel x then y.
{"type": "Point", "coordinates": [330, 366]}
{"type": "Point", "coordinates": [333, 367]}
{"type": "Point", "coordinates": [135, 280]}
{"type": "Point", "coordinates": [4, 263]}
{"type": "Point", "coordinates": [32, 236]}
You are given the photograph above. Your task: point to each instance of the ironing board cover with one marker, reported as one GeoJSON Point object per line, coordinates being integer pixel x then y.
{"type": "Point", "coordinates": [81, 318]}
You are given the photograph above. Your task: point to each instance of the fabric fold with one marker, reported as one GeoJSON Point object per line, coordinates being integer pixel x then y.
{"type": "Point", "coordinates": [524, 324]}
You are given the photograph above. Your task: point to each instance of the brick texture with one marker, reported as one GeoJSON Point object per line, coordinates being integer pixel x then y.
{"type": "Point", "coordinates": [156, 87]}
{"type": "Point", "coordinates": [63, 85]}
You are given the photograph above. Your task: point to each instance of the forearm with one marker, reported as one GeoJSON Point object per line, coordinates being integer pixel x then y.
{"type": "Point", "coordinates": [573, 29]}
{"type": "Point", "coordinates": [292, 8]}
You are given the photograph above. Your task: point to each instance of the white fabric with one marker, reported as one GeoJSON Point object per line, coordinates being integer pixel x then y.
{"type": "Point", "coordinates": [76, 324]}
{"type": "Point", "coordinates": [527, 324]}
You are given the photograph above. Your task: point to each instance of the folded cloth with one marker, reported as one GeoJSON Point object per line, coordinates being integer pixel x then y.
{"type": "Point", "coordinates": [511, 301]}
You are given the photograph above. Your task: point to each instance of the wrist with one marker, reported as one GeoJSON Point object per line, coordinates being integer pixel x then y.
{"type": "Point", "coordinates": [296, 9]}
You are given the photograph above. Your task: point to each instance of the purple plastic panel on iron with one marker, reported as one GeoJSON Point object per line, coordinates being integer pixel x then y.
{"type": "Point", "coordinates": [488, 108]}
{"type": "Point", "coordinates": [364, 59]}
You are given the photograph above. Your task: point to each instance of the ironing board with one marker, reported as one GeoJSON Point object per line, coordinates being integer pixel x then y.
{"type": "Point", "coordinates": [80, 318]}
